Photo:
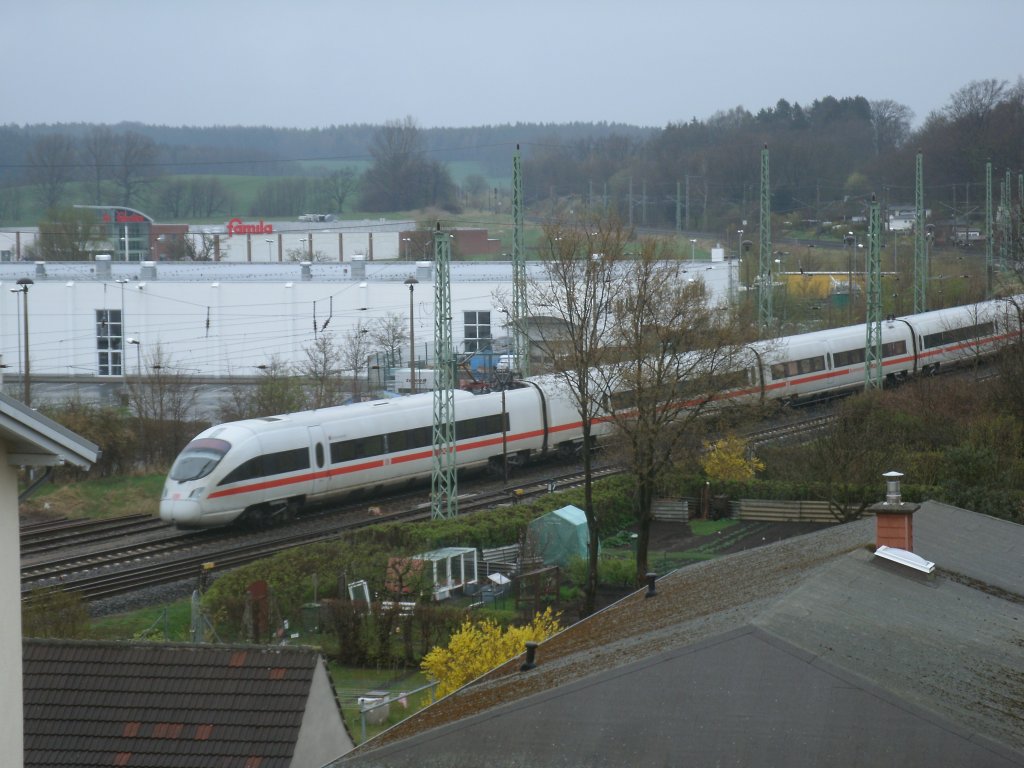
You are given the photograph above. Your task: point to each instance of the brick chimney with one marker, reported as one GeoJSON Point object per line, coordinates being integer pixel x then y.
{"type": "Point", "coordinates": [894, 520]}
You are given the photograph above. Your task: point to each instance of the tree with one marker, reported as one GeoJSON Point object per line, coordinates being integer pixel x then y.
{"type": "Point", "coordinates": [207, 196]}
{"type": "Point", "coordinates": [98, 151]}
{"type": "Point", "coordinates": [390, 334]}
{"type": "Point", "coordinates": [575, 297]}
{"type": "Point", "coordinates": [162, 397]}
{"type": "Point", "coordinates": [891, 121]}
{"type": "Point", "coordinates": [336, 187]}
{"type": "Point", "coordinates": [69, 234]}
{"type": "Point", "coordinates": [134, 165]}
{"type": "Point", "coordinates": [51, 167]}
{"type": "Point", "coordinates": [354, 354]}
{"type": "Point", "coordinates": [281, 197]}
{"type": "Point", "coordinates": [278, 390]}
{"type": "Point", "coordinates": [478, 647]}
{"type": "Point", "coordinates": [676, 354]}
{"type": "Point", "coordinates": [728, 460]}
{"type": "Point", "coordinates": [321, 368]}
{"type": "Point", "coordinates": [401, 177]}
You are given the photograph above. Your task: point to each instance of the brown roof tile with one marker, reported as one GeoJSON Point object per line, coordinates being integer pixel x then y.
{"type": "Point", "coordinates": [146, 704]}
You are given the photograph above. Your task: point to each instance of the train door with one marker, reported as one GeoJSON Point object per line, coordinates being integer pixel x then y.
{"type": "Point", "coordinates": [318, 458]}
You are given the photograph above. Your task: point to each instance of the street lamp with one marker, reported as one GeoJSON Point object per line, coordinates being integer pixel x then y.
{"type": "Point", "coordinates": [270, 256]}
{"type": "Point", "coordinates": [407, 241]}
{"type": "Point", "coordinates": [851, 242]}
{"type": "Point", "coordinates": [412, 282]}
{"type": "Point", "coordinates": [693, 249]}
{"type": "Point", "coordinates": [138, 356]}
{"type": "Point", "coordinates": [25, 282]}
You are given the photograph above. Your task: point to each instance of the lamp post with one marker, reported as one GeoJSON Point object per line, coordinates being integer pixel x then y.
{"type": "Point", "coordinates": [25, 282]}
{"type": "Point", "coordinates": [270, 255]}
{"type": "Point", "coordinates": [138, 357]}
{"type": "Point", "coordinates": [851, 242]}
{"type": "Point", "coordinates": [693, 249]}
{"type": "Point", "coordinates": [412, 282]}
{"type": "Point", "coordinates": [407, 241]}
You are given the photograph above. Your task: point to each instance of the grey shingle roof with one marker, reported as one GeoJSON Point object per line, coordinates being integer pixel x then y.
{"type": "Point", "coordinates": [132, 704]}
{"type": "Point", "coordinates": [798, 653]}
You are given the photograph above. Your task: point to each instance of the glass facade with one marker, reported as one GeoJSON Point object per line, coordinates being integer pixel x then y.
{"type": "Point", "coordinates": [109, 343]}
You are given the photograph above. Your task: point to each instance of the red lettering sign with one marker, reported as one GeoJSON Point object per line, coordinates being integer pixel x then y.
{"type": "Point", "coordinates": [239, 227]}
{"type": "Point", "coordinates": [121, 217]}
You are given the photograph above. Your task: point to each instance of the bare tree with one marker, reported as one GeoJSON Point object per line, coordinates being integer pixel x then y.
{"type": "Point", "coordinates": [163, 397]}
{"type": "Point", "coordinates": [98, 151]}
{"type": "Point", "coordinates": [678, 354]}
{"type": "Point", "coordinates": [51, 167]}
{"type": "Point", "coordinates": [355, 351]}
{"type": "Point", "coordinates": [134, 165]}
{"type": "Point", "coordinates": [172, 197]}
{"type": "Point", "coordinates": [336, 187]}
{"type": "Point", "coordinates": [279, 390]}
{"type": "Point", "coordinates": [575, 300]}
{"type": "Point", "coordinates": [321, 368]}
{"type": "Point", "coordinates": [891, 121]}
{"type": "Point", "coordinates": [69, 234]}
{"type": "Point", "coordinates": [207, 196]}
{"type": "Point", "coordinates": [390, 334]}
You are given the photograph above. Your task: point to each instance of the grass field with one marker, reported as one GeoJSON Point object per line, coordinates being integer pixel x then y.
{"type": "Point", "coordinates": [97, 498]}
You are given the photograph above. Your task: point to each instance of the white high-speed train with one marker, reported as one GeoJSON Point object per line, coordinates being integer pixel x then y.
{"type": "Point", "coordinates": [260, 469]}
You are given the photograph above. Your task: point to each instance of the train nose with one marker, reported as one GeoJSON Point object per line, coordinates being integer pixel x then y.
{"type": "Point", "coordinates": [180, 511]}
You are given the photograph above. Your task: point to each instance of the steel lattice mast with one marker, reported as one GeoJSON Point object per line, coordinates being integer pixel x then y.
{"type": "Point", "coordinates": [989, 266]}
{"type": "Point", "coordinates": [520, 338]}
{"type": "Point", "coordinates": [873, 332]}
{"type": "Point", "coordinates": [920, 248]}
{"type": "Point", "coordinates": [444, 491]}
{"type": "Point", "coordinates": [765, 316]}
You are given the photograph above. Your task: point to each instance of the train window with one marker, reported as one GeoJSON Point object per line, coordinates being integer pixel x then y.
{"type": "Point", "coordinates": [894, 348]}
{"type": "Point", "coordinates": [247, 470]}
{"type": "Point", "coordinates": [286, 461]}
{"type": "Point", "coordinates": [849, 357]}
{"type": "Point", "coordinates": [479, 427]}
{"type": "Point", "coordinates": [408, 439]}
{"type": "Point", "coordinates": [954, 335]}
{"type": "Point", "coordinates": [359, 448]}
{"type": "Point", "coordinates": [276, 463]}
{"type": "Point", "coordinates": [796, 367]}
{"type": "Point", "coordinates": [319, 454]}
{"type": "Point", "coordinates": [199, 458]}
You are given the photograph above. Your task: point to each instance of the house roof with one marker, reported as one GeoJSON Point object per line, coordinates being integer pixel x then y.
{"type": "Point", "coordinates": [109, 704]}
{"type": "Point", "coordinates": [35, 440]}
{"type": "Point", "coordinates": [796, 653]}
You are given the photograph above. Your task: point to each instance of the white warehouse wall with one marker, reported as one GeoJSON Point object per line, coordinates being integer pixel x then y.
{"type": "Point", "coordinates": [222, 320]}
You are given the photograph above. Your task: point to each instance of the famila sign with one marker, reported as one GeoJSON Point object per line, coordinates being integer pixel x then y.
{"type": "Point", "coordinates": [239, 227]}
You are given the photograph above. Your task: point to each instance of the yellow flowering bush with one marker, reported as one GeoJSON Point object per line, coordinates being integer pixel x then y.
{"type": "Point", "coordinates": [480, 646]}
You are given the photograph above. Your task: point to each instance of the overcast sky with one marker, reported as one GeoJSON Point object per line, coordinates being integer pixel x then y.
{"type": "Point", "coordinates": [316, 63]}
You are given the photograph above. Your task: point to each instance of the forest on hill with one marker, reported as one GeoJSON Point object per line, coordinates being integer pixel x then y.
{"type": "Point", "coordinates": [827, 159]}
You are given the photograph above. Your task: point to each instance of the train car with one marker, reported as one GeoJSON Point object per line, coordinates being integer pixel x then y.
{"type": "Point", "coordinates": [268, 468]}
{"type": "Point", "coordinates": [264, 469]}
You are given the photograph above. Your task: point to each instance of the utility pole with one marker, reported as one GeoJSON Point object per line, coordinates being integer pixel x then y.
{"type": "Point", "coordinates": [989, 266]}
{"type": "Point", "coordinates": [920, 251]}
{"type": "Point", "coordinates": [444, 493]}
{"type": "Point", "coordinates": [873, 333]}
{"type": "Point", "coordinates": [520, 338]}
{"type": "Point", "coordinates": [765, 316]}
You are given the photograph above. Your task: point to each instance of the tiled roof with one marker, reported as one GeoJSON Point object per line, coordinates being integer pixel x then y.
{"type": "Point", "coordinates": [148, 704]}
{"type": "Point", "coordinates": [803, 652]}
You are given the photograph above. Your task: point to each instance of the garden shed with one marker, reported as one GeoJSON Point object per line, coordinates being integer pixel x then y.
{"type": "Point", "coordinates": [559, 536]}
{"type": "Point", "coordinates": [452, 568]}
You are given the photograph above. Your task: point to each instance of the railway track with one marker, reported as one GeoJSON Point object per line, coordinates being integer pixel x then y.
{"type": "Point", "coordinates": [120, 570]}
